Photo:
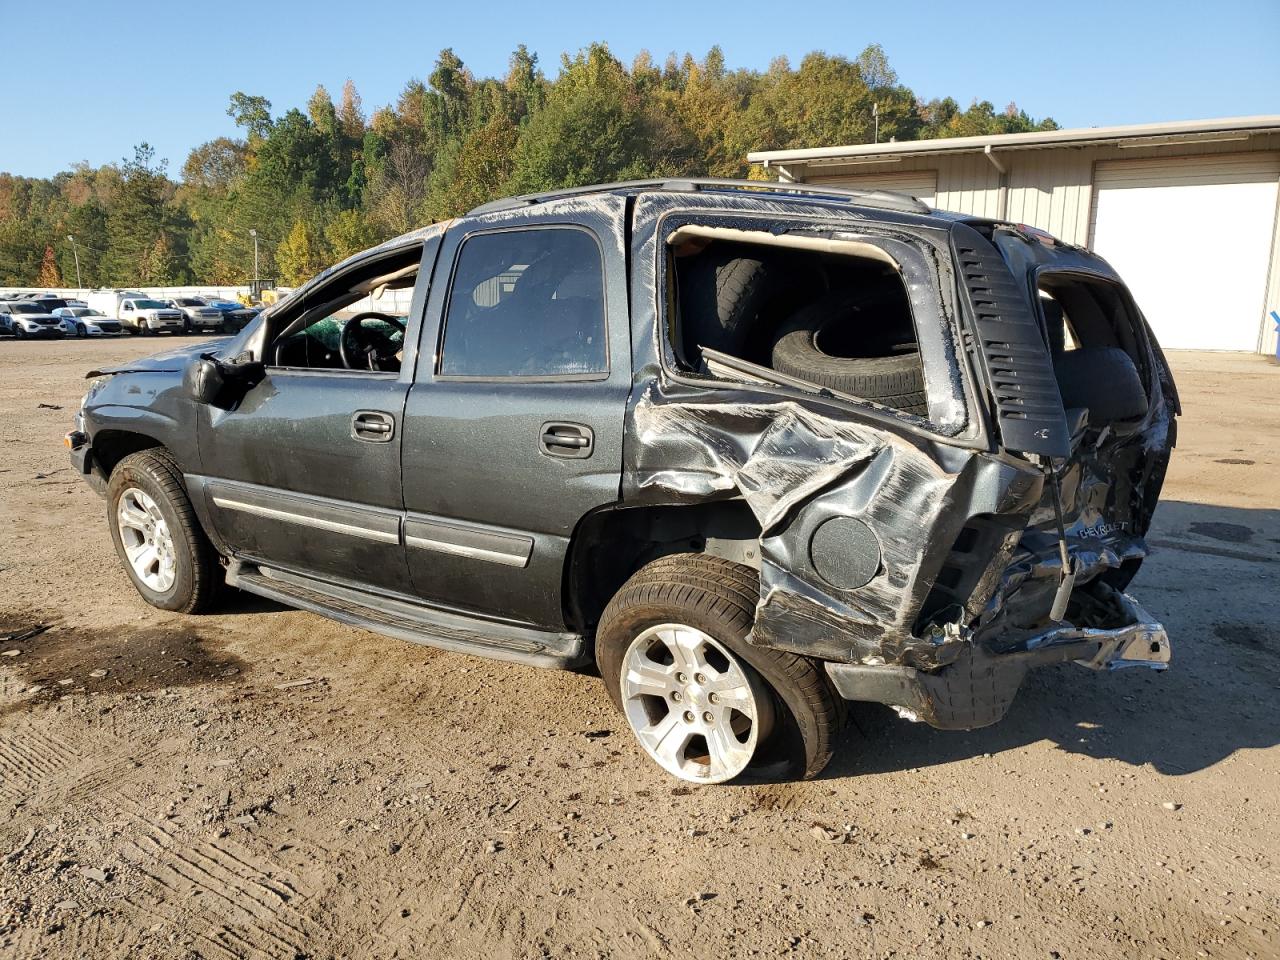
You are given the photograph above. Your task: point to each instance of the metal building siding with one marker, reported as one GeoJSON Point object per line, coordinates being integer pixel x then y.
{"type": "Point", "coordinates": [921, 184]}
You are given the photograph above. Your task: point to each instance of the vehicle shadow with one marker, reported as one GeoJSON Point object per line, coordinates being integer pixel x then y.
{"type": "Point", "coordinates": [46, 660]}
{"type": "Point", "coordinates": [1211, 580]}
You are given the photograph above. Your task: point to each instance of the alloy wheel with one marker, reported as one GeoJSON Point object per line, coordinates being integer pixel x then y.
{"type": "Point", "coordinates": [148, 542]}
{"type": "Point", "coordinates": [695, 707]}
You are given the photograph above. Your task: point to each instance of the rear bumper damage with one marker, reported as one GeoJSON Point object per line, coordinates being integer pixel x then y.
{"type": "Point", "coordinates": [977, 688]}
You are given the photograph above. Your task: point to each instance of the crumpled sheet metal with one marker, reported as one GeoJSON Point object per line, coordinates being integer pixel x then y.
{"type": "Point", "coordinates": [694, 445]}
{"type": "Point", "coordinates": [1109, 491]}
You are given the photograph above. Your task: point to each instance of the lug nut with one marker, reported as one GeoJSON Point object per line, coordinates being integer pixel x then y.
{"type": "Point", "coordinates": [700, 678]}
{"type": "Point", "coordinates": [681, 678]}
{"type": "Point", "coordinates": [688, 716]}
{"type": "Point", "coordinates": [713, 697]}
{"type": "Point", "coordinates": [677, 696]}
{"type": "Point", "coordinates": [707, 717]}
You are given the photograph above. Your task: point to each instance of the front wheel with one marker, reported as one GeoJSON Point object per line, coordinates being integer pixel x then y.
{"type": "Point", "coordinates": [705, 705]}
{"type": "Point", "coordinates": [81, 332]}
{"type": "Point", "coordinates": [157, 536]}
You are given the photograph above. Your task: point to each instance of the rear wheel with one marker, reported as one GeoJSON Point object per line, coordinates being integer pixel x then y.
{"type": "Point", "coordinates": [157, 537]}
{"type": "Point", "coordinates": [703, 703]}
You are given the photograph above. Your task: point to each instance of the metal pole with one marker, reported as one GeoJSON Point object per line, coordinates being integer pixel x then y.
{"type": "Point", "coordinates": [76, 253]}
{"type": "Point", "coordinates": [875, 113]}
{"type": "Point", "coordinates": [254, 234]}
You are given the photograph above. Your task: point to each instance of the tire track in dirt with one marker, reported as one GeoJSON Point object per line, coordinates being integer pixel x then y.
{"type": "Point", "coordinates": [30, 758]}
{"type": "Point", "coordinates": [218, 890]}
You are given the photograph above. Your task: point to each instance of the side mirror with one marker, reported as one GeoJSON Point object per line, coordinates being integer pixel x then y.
{"type": "Point", "coordinates": [221, 383]}
{"type": "Point", "coordinates": [204, 381]}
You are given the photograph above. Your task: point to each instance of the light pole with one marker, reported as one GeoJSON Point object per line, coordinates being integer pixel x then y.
{"type": "Point", "coordinates": [254, 234]}
{"type": "Point", "coordinates": [76, 253]}
{"type": "Point", "coordinates": [875, 115]}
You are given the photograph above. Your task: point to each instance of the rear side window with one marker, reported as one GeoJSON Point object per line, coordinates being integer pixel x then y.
{"type": "Point", "coordinates": [526, 303]}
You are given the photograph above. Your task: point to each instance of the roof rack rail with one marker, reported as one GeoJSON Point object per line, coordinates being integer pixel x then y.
{"type": "Point", "coordinates": [870, 198]}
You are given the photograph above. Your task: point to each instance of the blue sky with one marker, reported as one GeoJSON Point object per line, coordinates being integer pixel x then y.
{"type": "Point", "coordinates": [95, 78]}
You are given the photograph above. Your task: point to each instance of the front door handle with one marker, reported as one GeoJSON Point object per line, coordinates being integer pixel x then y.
{"type": "Point", "coordinates": [373, 426]}
{"type": "Point", "coordinates": [560, 439]}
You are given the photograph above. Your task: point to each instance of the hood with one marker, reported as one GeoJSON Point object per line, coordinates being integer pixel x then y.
{"type": "Point", "coordinates": [171, 361]}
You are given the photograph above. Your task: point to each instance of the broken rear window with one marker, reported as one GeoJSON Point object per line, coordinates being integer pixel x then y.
{"type": "Point", "coordinates": [832, 314]}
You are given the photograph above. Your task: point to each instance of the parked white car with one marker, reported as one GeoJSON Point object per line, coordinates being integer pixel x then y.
{"type": "Point", "coordinates": [25, 318]}
{"type": "Point", "coordinates": [86, 322]}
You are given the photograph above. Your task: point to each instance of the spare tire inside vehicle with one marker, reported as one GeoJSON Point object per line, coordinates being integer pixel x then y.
{"type": "Point", "coordinates": [1104, 380]}
{"type": "Point", "coordinates": [838, 342]}
{"type": "Point", "coordinates": [720, 300]}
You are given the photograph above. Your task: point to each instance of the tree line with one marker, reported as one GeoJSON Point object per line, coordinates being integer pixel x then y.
{"type": "Point", "coordinates": [320, 183]}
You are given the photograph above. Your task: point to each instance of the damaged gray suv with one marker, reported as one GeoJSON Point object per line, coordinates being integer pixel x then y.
{"type": "Point", "coordinates": [753, 449]}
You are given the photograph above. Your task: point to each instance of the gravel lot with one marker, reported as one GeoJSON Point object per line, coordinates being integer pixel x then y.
{"type": "Point", "coordinates": [265, 783]}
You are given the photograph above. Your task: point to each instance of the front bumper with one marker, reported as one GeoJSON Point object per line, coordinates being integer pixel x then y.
{"type": "Point", "coordinates": [977, 689]}
{"type": "Point", "coordinates": [83, 462]}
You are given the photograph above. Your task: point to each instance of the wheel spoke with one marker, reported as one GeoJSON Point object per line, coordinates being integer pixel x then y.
{"type": "Point", "coordinates": [732, 690]}
{"type": "Point", "coordinates": [727, 754]}
{"type": "Point", "coordinates": [687, 649]}
{"type": "Point", "coordinates": [132, 516]}
{"type": "Point", "coordinates": [647, 677]}
{"type": "Point", "coordinates": [143, 557]}
{"type": "Point", "coordinates": [667, 739]}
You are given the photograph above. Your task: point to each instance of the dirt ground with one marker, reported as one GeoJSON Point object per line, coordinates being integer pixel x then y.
{"type": "Point", "coordinates": [266, 783]}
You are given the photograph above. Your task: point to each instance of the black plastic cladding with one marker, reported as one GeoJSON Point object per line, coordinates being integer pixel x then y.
{"type": "Point", "coordinates": [1028, 406]}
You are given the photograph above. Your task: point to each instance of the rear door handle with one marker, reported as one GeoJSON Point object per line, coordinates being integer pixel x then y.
{"type": "Point", "coordinates": [373, 426]}
{"type": "Point", "coordinates": [560, 439]}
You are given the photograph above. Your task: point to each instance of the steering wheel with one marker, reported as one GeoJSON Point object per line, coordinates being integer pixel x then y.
{"type": "Point", "coordinates": [363, 349]}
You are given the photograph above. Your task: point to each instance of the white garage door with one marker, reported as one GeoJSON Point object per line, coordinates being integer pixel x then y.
{"type": "Point", "coordinates": [923, 185]}
{"type": "Point", "coordinates": [1192, 239]}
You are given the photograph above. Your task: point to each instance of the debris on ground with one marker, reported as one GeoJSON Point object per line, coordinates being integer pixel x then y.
{"type": "Point", "coordinates": [291, 684]}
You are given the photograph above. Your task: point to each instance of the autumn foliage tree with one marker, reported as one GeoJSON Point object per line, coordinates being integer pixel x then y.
{"type": "Point", "coordinates": [49, 275]}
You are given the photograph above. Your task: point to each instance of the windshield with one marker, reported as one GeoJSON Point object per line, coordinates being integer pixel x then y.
{"type": "Point", "coordinates": [148, 304]}
{"type": "Point", "coordinates": [26, 308]}
{"type": "Point", "coordinates": [187, 302]}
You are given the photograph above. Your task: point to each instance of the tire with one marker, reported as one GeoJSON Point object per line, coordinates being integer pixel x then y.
{"type": "Point", "coordinates": [1105, 380]}
{"type": "Point", "coordinates": [895, 379]}
{"type": "Point", "coordinates": [80, 331]}
{"type": "Point", "coordinates": [19, 333]}
{"type": "Point", "coordinates": [718, 598]}
{"type": "Point", "coordinates": [197, 574]}
{"type": "Point", "coordinates": [721, 301]}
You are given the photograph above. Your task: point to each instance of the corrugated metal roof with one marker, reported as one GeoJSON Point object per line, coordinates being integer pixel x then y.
{"type": "Point", "coordinates": [1178, 131]}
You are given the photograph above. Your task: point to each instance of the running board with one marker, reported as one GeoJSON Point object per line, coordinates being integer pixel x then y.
{"type": "Point", "coordinates": [409, 621]}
